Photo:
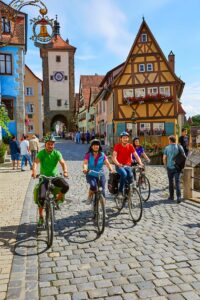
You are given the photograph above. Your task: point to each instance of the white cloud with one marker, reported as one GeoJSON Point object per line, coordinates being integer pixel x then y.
{"type": "Point", "coordinates": [191, 99]}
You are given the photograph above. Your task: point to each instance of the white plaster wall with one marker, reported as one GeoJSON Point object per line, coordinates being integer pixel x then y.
{"type": "Point", "coordinates": [58, 90]}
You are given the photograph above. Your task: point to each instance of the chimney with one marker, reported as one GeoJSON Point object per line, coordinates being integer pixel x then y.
{"type": "Point", "coordinates": [171, 60]}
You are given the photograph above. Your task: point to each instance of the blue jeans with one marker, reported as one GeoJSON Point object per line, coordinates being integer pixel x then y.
{"type": "Point", "coordinates": [173, 173]}
{"type": "Point", "coordinates": [92, 180]}
{"type": "Point", "coordinates": [24, 157]}
{"type": "Point", "coordinates": [126, 176]}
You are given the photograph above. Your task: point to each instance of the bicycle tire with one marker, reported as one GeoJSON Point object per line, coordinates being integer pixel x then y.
{"type": "Point", "coordinates": [135, 205]}
{"type": "Point", "coordinates": [101, 213]}
{"type": "Point", "coordinates": [144, 187]}
{"type": "Point", "coordinates": [49, 223]}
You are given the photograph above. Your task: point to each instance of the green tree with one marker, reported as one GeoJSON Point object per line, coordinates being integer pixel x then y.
{"type": "Point", "coordinates": [4, 119]}
{"type": "Point", "coordinates": [196, 120]}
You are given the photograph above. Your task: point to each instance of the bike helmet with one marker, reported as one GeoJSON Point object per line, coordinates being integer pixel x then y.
{"type": "Point", "coordinates": [124, 133]}
{"type": "Point", "coordinates": [49, 138]}
{"type": "Point", "coordinates": [95, 142]}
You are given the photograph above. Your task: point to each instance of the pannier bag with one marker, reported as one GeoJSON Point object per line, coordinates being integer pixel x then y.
{"type": "Point", "coordinates": [36, 193]}
{"type": "Point", "coordinates": [113, 183]}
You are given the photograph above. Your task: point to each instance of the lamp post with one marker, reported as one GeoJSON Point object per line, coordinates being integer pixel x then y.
{"type": "Point", "coordinates": [133, 119]}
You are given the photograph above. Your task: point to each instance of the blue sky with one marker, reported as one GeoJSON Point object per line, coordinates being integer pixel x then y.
{"type": "Point", "coordinates": [104, 30]}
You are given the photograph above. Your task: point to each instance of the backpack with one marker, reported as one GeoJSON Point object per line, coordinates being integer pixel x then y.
{"type": "Point", "coordinates": [179, 159]}
{"type": "Point", "coordinates": [113, 183]}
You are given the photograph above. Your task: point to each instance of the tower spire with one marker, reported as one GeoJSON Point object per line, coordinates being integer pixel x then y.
{"type": "Point", "coordinates": [56, 27]}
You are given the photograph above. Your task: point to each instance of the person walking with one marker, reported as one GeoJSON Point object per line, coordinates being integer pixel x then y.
{"type": "Point", "coordinates": [25, 153]}
{"type": "Point", "coordinates": [173, 173]}
{"type": "Point", "coordinates": [184, 141]}
{"type": "Point", "coordinates": [34, 147]}
{"type": "Point", "coordinates": [88, 137]}
{"type": "Point", "coordinates": [14, 152]}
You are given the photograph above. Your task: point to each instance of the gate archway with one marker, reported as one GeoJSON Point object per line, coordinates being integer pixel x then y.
{"type": "Point", "coordinates": [59, 124]}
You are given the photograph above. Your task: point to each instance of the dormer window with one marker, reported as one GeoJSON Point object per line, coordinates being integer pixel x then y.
{"type": "Point", "coordinates": [5, 23]}
{"type": "Point", "coordinates": [144, 38]}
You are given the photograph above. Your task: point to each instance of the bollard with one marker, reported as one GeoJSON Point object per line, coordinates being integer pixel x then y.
{"type": "Point", "coordinates": [188, 173]}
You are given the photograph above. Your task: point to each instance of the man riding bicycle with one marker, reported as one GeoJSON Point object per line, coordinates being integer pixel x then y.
{"type": "Point", "coordinates": [122, 159]}
{"type": "Point", "coordinates": [48, 159]}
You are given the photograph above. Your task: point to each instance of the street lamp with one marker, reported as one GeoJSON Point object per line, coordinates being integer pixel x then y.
{"type": "Point", "coordinates": [133, 119]}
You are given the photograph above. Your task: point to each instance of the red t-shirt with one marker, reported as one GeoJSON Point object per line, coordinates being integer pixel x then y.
{"type": "Point", "coordinates": [124, 153]}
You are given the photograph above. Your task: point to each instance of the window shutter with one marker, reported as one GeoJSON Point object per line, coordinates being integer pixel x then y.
{"type": "Point", "coordinates": [121, 127]}
{"type": "Point", "coordinates": [169, 128]}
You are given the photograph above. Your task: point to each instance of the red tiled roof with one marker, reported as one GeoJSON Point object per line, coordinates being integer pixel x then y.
{"type": "Point", "coordinates": [180, 109]}
{"type": "Point", "coordinates": [59, 43]}
{"type": "Point", "coordinates": [89, 84]}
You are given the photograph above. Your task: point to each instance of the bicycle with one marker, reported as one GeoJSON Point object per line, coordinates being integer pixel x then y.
{"type": "Point", "coordinates": [99, 205]}
{"type": "Point", "coordinates": [133, 197]}
{"type": "Point", "coordinates": [142, 182]}
{"type": "Point", "coordinates": [49, 207]}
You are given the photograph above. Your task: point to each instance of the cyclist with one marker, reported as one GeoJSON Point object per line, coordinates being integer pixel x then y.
{"type": "Point", "coordinates": [122, 159]}
{"type": "Point", "coordinates": [93, 161]}
{"type": "Point", "coordinates": [48, 159]}
{"type": "Point", "coordinates": [139, 149]}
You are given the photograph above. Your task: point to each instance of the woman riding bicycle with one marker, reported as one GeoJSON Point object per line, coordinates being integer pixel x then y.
{"type": "Point", "coordinates": [139, 149]}
{"type": "Point", "coordinates": [93, 161]}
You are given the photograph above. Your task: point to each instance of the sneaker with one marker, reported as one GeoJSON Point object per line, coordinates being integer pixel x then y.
{"type": "Point", "coordinates": [120, 196]}
{"type": "Point", "coordinates": [40, 222]}
{"type": "Point", "coordinates": [88, 201]}
{"type": "Point", "coordinates": [178, 199]}
{"type": "Point", "coordinates": [170, 198]}
{"type": "Point", "coordinates": [22, 170]}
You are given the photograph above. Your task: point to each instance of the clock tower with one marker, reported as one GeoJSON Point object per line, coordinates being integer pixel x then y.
{"type": "Point", "coordinates": [58, 82]}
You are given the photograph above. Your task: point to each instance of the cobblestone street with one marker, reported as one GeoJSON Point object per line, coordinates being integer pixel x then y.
{"type": "Point", "coordinates": [157, 259]}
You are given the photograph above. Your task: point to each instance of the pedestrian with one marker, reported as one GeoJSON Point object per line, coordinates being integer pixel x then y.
{"type": "Point", "coordinates": [88, 137]}
{"type": "Point", "coordinates": [184, 141]}
{"type": "Point", "coordinates": [83, 137]}
{"type": "Point", "coordinates": [14, 152]}
{"type": "Point", "coordinates": [34, 147]}
{"type": "Point", "coordinates": [93, 134]}
{"type": "Point", "coordinates": [25, 153]}
{"type": "Point", "coordinates": [78, 137]}
{"type": "Point", "coordinates": [173, 173]}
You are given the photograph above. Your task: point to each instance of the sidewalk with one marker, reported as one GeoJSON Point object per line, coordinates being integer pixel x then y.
{"type": "Point", "coordinates": [13, 185]}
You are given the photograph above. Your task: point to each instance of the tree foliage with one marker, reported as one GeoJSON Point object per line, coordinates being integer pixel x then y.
{"type": "Point", "coordinates": [196, 120]}
{"type": "Point", "coordinates": [4, 119]}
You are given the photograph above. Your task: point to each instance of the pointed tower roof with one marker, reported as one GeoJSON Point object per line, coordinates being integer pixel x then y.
{"type": "Point", "coordinates": [57, 43]}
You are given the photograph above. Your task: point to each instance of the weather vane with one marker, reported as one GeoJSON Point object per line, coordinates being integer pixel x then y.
{"type": "Point", "coordinates": [42, 26]}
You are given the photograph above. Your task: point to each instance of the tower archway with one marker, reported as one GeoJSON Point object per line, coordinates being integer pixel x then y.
{"type": "Point", "coordinates": [59, 124]}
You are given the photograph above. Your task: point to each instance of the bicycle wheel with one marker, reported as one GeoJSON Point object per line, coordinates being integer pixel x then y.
{"type": "Point", "coordinates": [135, 204]}
{"type": "Point", "coordinates": [49, 223]}
{"type": "Point", "coordinates": [101, 212]}
{"type": "Point", "coordinates": [144, 187]}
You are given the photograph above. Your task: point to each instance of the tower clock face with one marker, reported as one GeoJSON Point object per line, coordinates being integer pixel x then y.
{"type": "Point", "coordinates": [58, 76]}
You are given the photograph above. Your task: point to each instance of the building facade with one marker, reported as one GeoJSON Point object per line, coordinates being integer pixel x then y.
{"type": "Point", "coordinates": [34, 109]}
{"type": "Point", "coordinates": [146, 92]}
{"type": "Point", "coordinates": [58, 81]}
{"type": "Point", "coordinates": [12, 66]}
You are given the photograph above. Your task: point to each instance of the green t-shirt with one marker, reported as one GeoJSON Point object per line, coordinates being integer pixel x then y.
{"type": "Point", "coordinates": [48, 162]}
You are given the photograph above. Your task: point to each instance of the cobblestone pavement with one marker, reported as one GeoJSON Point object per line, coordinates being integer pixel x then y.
{"type": "Point", "coordinates": [156, 259]}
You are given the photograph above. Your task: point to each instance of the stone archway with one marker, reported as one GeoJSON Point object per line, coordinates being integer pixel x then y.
{"type": "Point", "coordinates": [59, 124]}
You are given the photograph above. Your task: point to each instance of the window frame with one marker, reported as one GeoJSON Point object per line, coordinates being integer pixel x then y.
{"type": "Point", "coordinates": [31, 89]}
{"type": "Point", "coordinates": [144, 40]}
{"type": "Point", "coordinates": [5, 63]}
{"type": "Point", "coordinates": [59, 102]}
{"type": "Point", "coordinates": [29, 108]}
{"type": "Point", "coordinates": [149, 64]}
{"type": "Point", "coordinates": [58, 58]}
{"type": "Point", "coordinates": [32, 130]}
{"type": "Point", "coordinates": [9, 105]}
{"type": "Point", "coordinates": [150, 93]}
{"type": "Point", "coordinates": [5, 22]}
{"type": "Point", "coordinates": [139, 68]}
{"type": "Point", "coordinates": [165, 87]}
{"type": "Point", "coordinates": [143, 94]}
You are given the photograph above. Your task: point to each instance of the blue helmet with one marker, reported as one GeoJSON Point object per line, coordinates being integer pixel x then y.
{"type": "Point", "coordinates": [124, 133]}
